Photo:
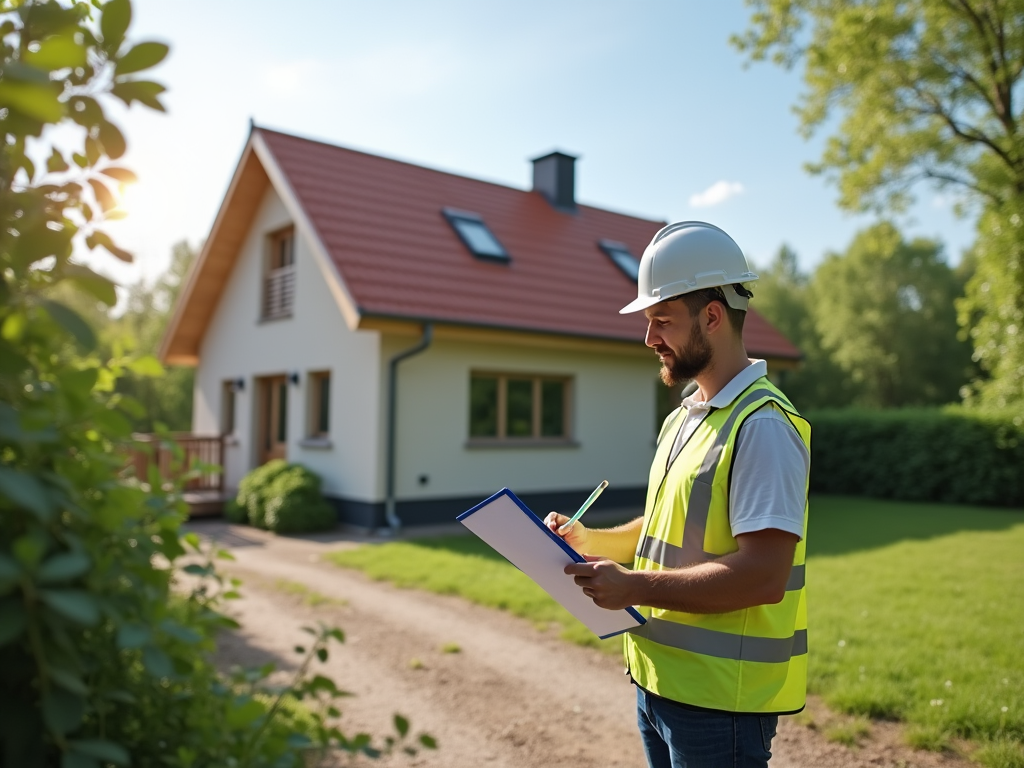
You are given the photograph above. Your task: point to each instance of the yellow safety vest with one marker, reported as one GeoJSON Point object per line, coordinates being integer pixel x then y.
{"type": "Point", "coordinates": [749, 661]}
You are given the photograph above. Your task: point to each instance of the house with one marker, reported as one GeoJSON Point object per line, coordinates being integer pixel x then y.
{"type": "Point", "coordinates": [422, 339]}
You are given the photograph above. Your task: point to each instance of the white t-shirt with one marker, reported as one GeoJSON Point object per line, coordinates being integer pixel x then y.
{"type": "Point", "coordinates": [770, 461]}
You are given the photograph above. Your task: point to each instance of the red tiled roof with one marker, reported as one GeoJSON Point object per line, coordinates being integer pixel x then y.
{"type": "Point", "coordinates": [381, 222]}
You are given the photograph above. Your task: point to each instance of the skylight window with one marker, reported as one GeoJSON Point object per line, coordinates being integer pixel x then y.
{"type": "Point", "coordinates": [475, 234]}
{"type": "Point", "coordinates": [623, 259]}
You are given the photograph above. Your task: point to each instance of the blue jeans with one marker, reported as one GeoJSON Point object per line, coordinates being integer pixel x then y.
{"type": "Point", "coordinates": [678, 737]}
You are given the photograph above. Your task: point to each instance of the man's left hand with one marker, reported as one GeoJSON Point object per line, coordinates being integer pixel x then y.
{"type": "Point", "coordinates": [605, 582]}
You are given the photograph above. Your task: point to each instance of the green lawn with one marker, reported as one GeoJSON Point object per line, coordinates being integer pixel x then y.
{"type": "Point", "coordinates": [916, 612]}
{"type": "Point", "coordinates": [465, 566]}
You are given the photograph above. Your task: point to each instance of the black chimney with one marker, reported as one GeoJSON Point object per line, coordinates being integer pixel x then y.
{"type": "Point", "coordinates": [554, 176]}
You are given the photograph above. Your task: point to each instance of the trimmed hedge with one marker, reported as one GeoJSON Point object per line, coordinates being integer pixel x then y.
{"type": "Point", "coordinates": [950, 455]}
{"type": "Point", "coordinates": [282, 497]}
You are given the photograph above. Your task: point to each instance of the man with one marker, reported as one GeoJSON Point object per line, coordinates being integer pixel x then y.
{"type": "Point", "coordinates": [719, 554]}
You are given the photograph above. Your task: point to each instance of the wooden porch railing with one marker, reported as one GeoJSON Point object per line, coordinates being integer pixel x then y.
{"type": "Point", "coordinates": [207, 450]}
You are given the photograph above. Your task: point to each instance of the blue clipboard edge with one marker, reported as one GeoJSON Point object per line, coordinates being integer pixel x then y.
{"type": "Point", "coordinates": [576, 556]}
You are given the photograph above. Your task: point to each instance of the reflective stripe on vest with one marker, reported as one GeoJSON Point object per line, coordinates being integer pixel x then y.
{"type": "Point", "coordinates": [750, 660]}
{"type": "Point", "coordinates": [724, 645]}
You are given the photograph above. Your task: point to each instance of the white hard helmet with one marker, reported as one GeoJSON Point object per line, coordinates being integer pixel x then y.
{"type": "Point", "coordinates": [688, 256]}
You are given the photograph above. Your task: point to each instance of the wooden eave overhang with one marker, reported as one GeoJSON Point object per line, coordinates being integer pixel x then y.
{"type": "Point", "coordinates": [209, 274]}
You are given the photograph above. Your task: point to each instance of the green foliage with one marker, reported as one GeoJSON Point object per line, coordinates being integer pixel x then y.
{"type": "Point", "coordinates": [166, 399]}
{"type": "Point", "coordinates": [253, 489]}
{"type": "Point", "coordinates": [876, 324]}
{"type": "Point", "coordinates": [102, 660]}
{"type": "Point", "coordinates": [782, 296]}
{"type": "Point", "coordinates": [294, 503]}
{"type": "Point", "coordinates": [884, 313]}
{"type": "Point", "coordinates": [284, 498]}
{"type": "Point", "coordinates": [993, 309]}
{"type": "Point", "coordinates": [953, 455]}
{"type": "Point", "coordinates": [924, 90]}
{"type": "Point", "coordinates": [76, 539]}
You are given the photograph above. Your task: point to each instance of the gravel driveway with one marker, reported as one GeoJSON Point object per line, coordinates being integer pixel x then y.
{"type": "Point", "coordinates": [512, 696]}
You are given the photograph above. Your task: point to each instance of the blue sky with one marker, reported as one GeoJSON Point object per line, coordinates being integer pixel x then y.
{"type": "Point", "coordinates": [667, 120]}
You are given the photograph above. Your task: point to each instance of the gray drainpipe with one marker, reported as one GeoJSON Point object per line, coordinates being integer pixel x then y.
{"type": "Point", "coordinates": [394, 522]}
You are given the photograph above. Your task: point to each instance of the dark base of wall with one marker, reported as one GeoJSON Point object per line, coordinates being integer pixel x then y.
{"type": "Point", "coordinates": [367, 514]}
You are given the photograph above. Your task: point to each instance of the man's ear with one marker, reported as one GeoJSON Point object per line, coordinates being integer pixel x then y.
{"type": "Point", "coordinates": [716, 316]}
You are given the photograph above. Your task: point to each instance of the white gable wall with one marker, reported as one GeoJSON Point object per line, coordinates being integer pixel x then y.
{"type": "Point", "coordinates": [613, 414]}
{"type": "Point", "coordinates": [238, 344]}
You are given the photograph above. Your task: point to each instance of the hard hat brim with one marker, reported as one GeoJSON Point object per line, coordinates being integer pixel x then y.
{"type": "Point", "coordinates": [640, 303]}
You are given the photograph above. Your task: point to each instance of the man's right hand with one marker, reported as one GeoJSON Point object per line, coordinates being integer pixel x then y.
{"type": "Point", "coordinates": [575, 537]}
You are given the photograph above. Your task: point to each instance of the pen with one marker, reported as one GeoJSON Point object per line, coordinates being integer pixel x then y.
{"type": "Point", "coordinates": [564, 528]}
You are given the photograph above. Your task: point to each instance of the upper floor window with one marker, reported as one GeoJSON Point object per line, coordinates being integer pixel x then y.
{"type": "Point", "coordinates": [512, 407]}
{"type": "Point", "coordinates": [279, 279]}
{"type": "Point", "coordinates": [623, 259]}
{"type": "Point", "coordinates": [476, 235]}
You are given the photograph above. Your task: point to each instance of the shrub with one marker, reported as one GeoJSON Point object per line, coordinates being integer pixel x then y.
{"type": "Point", "coordinates": [284, 498]}
{"type": "Point", "coordinates": [253, 489]}
{"type": "Point", "coordinates": [294, 503]}
{"type": "Point", "coordinates": [950, 455]}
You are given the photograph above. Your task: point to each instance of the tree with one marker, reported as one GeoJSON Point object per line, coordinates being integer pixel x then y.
{"type": "Point", "coordinates": [167, 399]}
{"type": "Point", "coordinates": [782, 295]}
{"type": "Point", "coordinates": [136, 333]}
{"type": "Point", "coordinates": [927, 90]}
{"type": "Point", "coordinates": [885, 314]}
{"type": "Point", "coordinates": [992, 312]}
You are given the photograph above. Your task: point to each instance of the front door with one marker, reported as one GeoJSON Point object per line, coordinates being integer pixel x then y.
{"type": "Point", "coordinates": [273, 418]}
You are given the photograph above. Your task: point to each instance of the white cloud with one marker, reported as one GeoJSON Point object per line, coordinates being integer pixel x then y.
{"type": "Point", "coordinates": [717, 193]}
{"type": "Point", "coordinates": [286, 78]}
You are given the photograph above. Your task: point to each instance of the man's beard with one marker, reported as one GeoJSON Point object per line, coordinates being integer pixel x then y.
{"type": "Point", "coordinates": [693, 359]}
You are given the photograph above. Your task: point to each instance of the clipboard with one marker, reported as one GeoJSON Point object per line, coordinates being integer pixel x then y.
{"type": "Point", "coordinates": [516, 533]}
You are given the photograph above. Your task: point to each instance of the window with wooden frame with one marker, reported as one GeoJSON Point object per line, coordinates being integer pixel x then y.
{"type": "Point", "coordinates": [227, 407]}
{"type": "Point", "coordinates": [319, 404]}
{"type": "Point", "coordinates": [515, 407]}
{"type": "Point", "coordinates": [279, 280]}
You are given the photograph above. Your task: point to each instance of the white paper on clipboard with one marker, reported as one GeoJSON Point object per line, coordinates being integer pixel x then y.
{"type": "Point", "coordinates": [515, 532]}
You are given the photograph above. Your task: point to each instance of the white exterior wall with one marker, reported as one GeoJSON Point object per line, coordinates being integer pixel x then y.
{"type": "Point", "coordinates": [612, 417]}
{"type": "Point", "coordinates": [238, 344]}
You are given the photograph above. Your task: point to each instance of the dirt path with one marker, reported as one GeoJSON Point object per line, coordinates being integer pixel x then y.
{"type": "Point", "coordinates": [512, 696]}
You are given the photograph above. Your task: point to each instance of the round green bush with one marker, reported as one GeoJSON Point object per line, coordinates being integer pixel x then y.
{"type": "Point", "coordinates": [294, 504]}
{"type": "Point", "coordinates": [253, 489]}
